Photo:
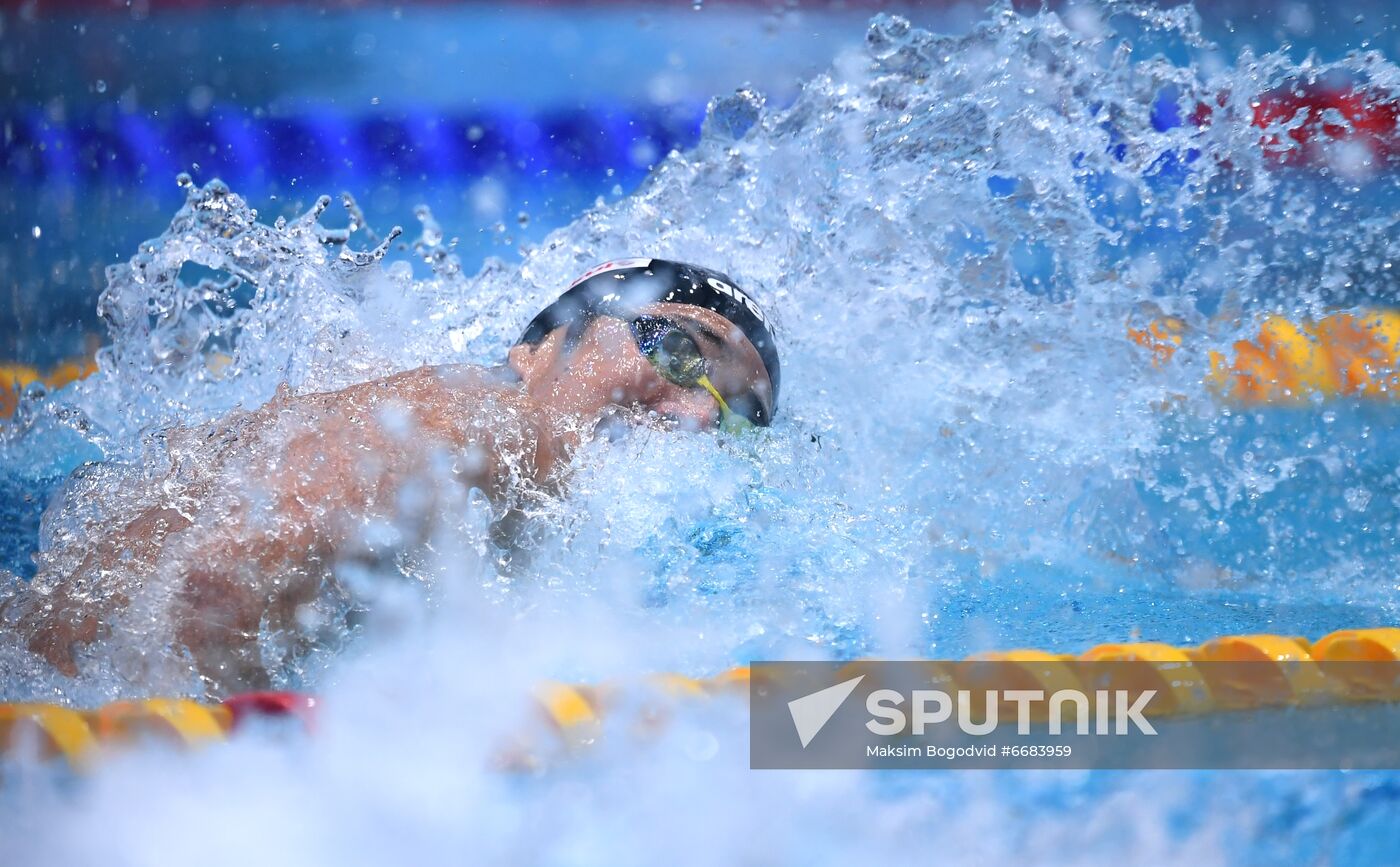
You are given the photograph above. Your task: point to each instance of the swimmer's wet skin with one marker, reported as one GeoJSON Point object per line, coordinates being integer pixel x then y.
{"type": "Point", "coordinates": [273, 499]}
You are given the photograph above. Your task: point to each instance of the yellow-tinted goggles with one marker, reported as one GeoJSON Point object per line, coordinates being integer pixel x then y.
{"type": "Point", "coordinates": [679, 361]}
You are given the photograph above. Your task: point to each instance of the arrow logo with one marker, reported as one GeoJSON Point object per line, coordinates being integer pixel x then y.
{"type": "Point", "coordinates": [811, 713]}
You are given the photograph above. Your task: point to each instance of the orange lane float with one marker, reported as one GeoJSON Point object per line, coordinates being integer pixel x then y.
{"type": "Point", "coordinates": [15, 378]}
{"type": "Point", "coordinates": [1347, 355]}
{"type": "Point", "coordinates": [1350, 665]}
{"type": "Point", "coordinates": [1353, 355]}
{"type": "Point", "coordinates": [1161, 337]}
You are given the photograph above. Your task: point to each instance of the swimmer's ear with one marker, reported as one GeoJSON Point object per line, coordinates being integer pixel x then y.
{"type": "Point", "coordinates": [524, 359]}
{"type": "Point", "coordinates": [532, 359]}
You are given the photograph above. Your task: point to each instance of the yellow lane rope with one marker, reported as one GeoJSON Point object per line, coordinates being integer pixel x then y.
{"type": "Point", "coordinates": [1287, 671]}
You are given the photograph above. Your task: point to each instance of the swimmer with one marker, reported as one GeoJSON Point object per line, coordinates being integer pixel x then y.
{"type": "Point", "coordinates": [260, 507]}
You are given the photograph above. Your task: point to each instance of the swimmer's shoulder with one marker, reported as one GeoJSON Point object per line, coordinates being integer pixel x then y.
{"type": "Point", "coordinates": [472, 377]}
{"type": "Point", "coordinates": [426, 384]}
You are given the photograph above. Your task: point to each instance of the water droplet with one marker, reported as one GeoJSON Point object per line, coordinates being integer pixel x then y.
{"type": "Point", "coordinates": [100, 86]}
{"type": "Point", "coordinates": [36, 231]}
{"type": "Point", "coordinates": [183, 179]}
{"type": "Point", "coordinates": [523, 219]}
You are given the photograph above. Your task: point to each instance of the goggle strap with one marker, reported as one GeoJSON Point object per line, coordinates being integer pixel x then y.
{"type": "Point", "coordinates": [704, 380]}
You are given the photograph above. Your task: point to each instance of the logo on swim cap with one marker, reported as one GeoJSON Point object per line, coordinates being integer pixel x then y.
{"type": "Point", "coordinates": [738, 295]}
{"type": "Point", "coordinates": [616, 265]}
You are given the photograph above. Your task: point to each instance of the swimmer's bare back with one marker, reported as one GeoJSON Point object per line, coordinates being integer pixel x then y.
{"type": "Point", "coordinates": [262, 503]}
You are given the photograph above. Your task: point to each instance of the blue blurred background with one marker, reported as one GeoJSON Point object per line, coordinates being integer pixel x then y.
{"type": "Point", "coordinates": [507, 120]}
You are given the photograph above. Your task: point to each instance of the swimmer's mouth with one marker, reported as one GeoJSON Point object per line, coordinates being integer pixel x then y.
{"type": "Point", "coordinates": [612, 426]}
{"type": "Point", "coordinates": [618, 422]}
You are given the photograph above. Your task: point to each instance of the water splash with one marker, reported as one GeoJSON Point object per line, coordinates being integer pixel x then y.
{"type": "Point", "coordinates": [976, 218]}
{"type": "Point", "coordinates": [954, 233]}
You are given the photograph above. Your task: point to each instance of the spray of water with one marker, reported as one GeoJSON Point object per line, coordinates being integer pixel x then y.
{"type": "Point", "coordinates": [954, 233]}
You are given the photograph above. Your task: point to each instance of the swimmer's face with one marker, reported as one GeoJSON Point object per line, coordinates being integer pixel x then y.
{"type": "Point", "coordinates": [607, 371]}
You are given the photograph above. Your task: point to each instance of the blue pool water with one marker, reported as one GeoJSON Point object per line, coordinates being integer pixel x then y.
{"type": "Point", "coordinates": [954, 232]}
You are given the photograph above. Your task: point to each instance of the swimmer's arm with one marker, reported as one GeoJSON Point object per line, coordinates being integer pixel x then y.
{"type": "Point", "coordinates": [348, 466]}
{"type": "Point", "coordinates": [327, 460]}
{"type": "Point", "coordinates": [71, 611]}
{"type": "Point", "coordinates": [352, 448]}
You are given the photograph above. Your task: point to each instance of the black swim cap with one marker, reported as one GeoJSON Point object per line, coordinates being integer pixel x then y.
{"type": "Point", "coordinates": [623, 286]}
